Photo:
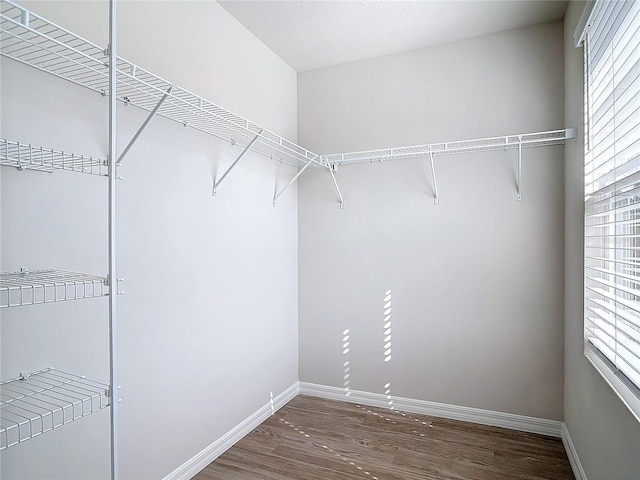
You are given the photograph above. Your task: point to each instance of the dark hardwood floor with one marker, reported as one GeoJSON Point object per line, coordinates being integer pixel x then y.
{"type": "Point", "coordinates": [315, 439]}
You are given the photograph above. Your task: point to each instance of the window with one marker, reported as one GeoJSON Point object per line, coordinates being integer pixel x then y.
{"type": "Point", "coordinates": [612, 196]}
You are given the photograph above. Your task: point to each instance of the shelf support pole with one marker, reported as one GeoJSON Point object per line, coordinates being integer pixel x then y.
{"type": "Point", "coordinates": [113, 335]}
{"type": "Point", "coordinates": [436, 199]}
{"type": "Point", "coordinates": [216, 184]}
{"type": "Point", "coordinates": [143, 126]}
{"type": "Point", "coordinates": [331, 168]}
{"type": "Point", "coordinates": [291, 181]}
{"type": "Point", "coordinates": [519, 167]}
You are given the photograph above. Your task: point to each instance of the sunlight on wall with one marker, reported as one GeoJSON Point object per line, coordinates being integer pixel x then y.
{"type": "Point", "coordinates": [273, 406]}
{"type": "Point", "coordinates": [387, 358]}
{"type": "Point", "coordinates": [387, 326]}
{"type": "Point", "coordinates": [387, 392]}
{"type": "Point", "coordinates": [346, 374]}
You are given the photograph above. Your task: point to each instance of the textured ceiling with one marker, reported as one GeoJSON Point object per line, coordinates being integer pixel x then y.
{"type": "Point", "coordinates": [315, 34]}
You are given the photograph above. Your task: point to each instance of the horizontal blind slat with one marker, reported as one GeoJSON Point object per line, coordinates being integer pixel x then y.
{"type": "Point", "coordinates": [615, 332]}
{"type": "Point", "coordinates": [612, 260]}
{"type": "Point", "coordinates": [610, 307]}
{"type": "Point", "coordinates": [612, 184]}
{"type": "Point", "coordinates": [631, 278]}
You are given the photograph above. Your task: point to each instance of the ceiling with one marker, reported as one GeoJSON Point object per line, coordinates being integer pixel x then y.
{"type": "Point", "coordinates": [314, 34]}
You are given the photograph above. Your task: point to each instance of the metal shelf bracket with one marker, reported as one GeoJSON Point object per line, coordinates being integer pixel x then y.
{"type": "Point", "coordinates": [333, 168]}
{"type": "Point", "coordinates": [436, 199]}
{"type": "Point", "coordinates": [24, 18]}
{"type": "Point", "coordinates": [216, 184]}
{"type": "Point", "coordinates": [291, 182]}
{"type": "Point", "coordinates": [144, 124]}
{"type": "Point", "coordinates": [519, 193]}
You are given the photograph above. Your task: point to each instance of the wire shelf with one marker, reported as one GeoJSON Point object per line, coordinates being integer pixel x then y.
{"type": "Point", "coordinates": [30, 157]}
{"type": "Point", "coordinates": [46, 286]}
{"type": "Point", "coordinates": [35, 403]}
{"type": "Point", "coordinates": [553, 137]}
{"type": "Point", "coordinates": [33, 40]}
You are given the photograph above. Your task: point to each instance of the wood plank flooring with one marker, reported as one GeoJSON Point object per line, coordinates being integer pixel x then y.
{"type": "Point", "coordinates": [316, 439]}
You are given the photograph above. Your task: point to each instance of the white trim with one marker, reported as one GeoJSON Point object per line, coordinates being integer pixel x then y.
{"type": "Point", "coordinates": [511, 421]}
{"type": "Point", "coordinates": [572, 454]}
{"type": "Point", "coordinates": [192, 466]}
{"type": "Point", "coordinates": [622, 390]}
{"type": "Point", "coordinates": [583, 22]}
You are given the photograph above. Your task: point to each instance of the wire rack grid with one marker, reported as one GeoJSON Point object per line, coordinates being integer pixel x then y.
{"type": "Point", "coordinates": [33, 40]}
{"type": "Point", "coordinates": [46, 286]}
{"type": "Point", "coordinates": [553, 137]}
{"type": "Point", "coordinates": [35, 403]}
{"type": "Point", "coordinates": [30, 157]}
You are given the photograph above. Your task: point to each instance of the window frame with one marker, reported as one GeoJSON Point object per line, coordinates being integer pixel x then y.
{"type": "Point", "coordinates": [623, 386]}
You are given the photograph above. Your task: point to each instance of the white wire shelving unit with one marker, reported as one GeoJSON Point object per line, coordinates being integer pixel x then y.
{"type": "Point", "coordinates": [30, 157]}
{"type": "Point", "coordinates": [35, 41]}
{"type": "Point", "coordinates": [48, 286]}
{"type": "Point", "coordinates": [430, 151]}
{"type": "Point", "coordinates": [508, 142]}
{"type": "Point", "coordinates": [35, 403]}
{"type": "Point", "coordinates": [32, 40]}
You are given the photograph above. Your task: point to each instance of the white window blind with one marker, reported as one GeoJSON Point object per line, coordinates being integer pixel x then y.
{"type": "Point", "coordinates": [612, 191]}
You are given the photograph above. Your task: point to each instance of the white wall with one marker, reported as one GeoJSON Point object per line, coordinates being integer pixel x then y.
{"type": "Point", "coordinates": [605, 433]}
{"type": "Point", "coordinates": [208, 325]}
{"type": "Point", "coordinates": [477, 281]}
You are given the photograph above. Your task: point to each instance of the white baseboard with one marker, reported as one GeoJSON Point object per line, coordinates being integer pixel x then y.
{"type": "Point", "coordinates": [467, 414]}
{"type": "Point", "coordinates": [192, 466]}
{"type": "Point", "coordinates": [572, 453]}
